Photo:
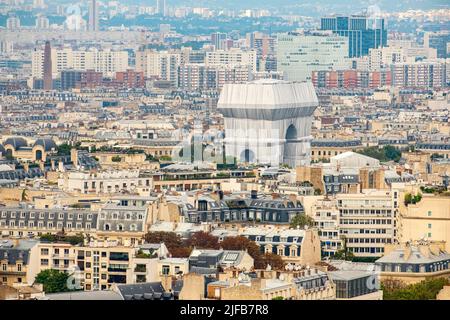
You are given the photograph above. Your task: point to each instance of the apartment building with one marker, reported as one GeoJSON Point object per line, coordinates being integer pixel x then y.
{"type": "Point", "coordinates": [367, 221]}
{"type": "Point", "coordinates": [104, 264]}
{"type": "Point", "coordinates": [104, 182]}
{"type": "Point", "coordinates": [428, 219]}
{"type": "Point", "coordinates": [105, 61]}
{"type": "Point", "coordinates": [232, 58]}
{"type": "Point", "coordinates": [420, 74]}
{"type": "Point", "coordinates": [18, 261]}
{"type": "Point", "coordinates": [296, 246]}
{"type": "Point", "coordinates": [325, 213]}
{"type": "Point", "coordinates": [24, 221]}
{"type": "Point", "coordinates": [162, 65]}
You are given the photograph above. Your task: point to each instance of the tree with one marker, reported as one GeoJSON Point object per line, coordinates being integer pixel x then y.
{"type": "Point", "coordinates": [260, 260]}
{"type": "Point", "coordinates": [203, 240]}
{"type": "Point", "coordinates": [424, 290]}
{"type": "Point", "coordinates": [62, 237]}
{"type": "Point", "coordinates": [302, 220]}
{"type": "Point", "coordinates": [64, 149]}
{"type": "Point", "coordinates": [344, 253]}
{"type": "Point", "coordinates": [172, 241]}
{"type": "Point", "coordinates": [24, 196]}
{"type": "Point", "coordinates": [392, 153]}
{"type": "Point", "coordinates": [268, 258]}
{"type": "Point", "coordinates": [53, 280]}
{"type": "Point", "coordinates": [241, 243]}
{"type": "Point", "coordinates": [387, 153]}
{"type": "Point", "coordinates": [116, 159]}
{"type": "Point", "coordinates": [410, 199]}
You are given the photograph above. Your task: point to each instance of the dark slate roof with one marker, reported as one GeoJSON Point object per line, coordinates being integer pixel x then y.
{"type": "Point", "coordinates": [13, 255]}
{"type": "Point", "coordinates": [2, 149]}
{"type": "Point", "coordinates": [47, 143]}
{"type": "Point", "coordinates": [144, 291]}
{"type": "Point", "coordinates": [16, 142]}
{"type": "Point", "coordinates": [202, 270]}
{"type": "Point", "coordinates": [335, 143]}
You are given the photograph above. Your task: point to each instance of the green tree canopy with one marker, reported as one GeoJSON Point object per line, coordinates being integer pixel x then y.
{"type": "Point", "coordinates": [424, 290]}
{"type": "Point", "coordinates": [301, 221]}
{"type": "Point", "coordinates": [53, 280]}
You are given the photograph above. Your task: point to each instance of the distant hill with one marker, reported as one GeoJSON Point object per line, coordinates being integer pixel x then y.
{"type": "Point", "coordinates": [307, 7]}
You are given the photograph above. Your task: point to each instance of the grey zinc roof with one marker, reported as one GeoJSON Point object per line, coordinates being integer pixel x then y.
{"type": "Point", "coordinates": [416, 257]}
{"type": "Point", "coordinates": [85, 295]}
{"type": "Point", "coordinates": [16, 142]}
{"type": "Point", "coordinates": [46, 143]}
{"type": "Point", "coordinates": [13, 255]}
{"type": "Point", "coordinates": [139, 291]}
{"type": "Point", "coordinates": [348, 275]}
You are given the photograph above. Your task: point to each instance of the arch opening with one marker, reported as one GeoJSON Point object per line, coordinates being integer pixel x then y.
{"type": "Point", "coordinates": [291, 133]}
{"type": "Point", "coordinates": [247, 156]}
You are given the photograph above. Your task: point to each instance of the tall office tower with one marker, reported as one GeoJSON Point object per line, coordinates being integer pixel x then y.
{"type": "Point", "coordinates": [218, 40]}
{"type": "Point", "coordinates": [268, 121]}
{"type": "Point", "coordinates": [439, 41]}
{"type": "Point", "coordinates": [42, 23]}
{"type": "Point", "coordinates": [362, 31]}
{"type": "Point", "coordinates": [6, 46]}
{"type": "Point", "coordinates": [48, 85]}
{"type": "Point", "coordinates": [161, 8]}
{"type": "Point", "coordinates": [93, 16]}
{"type": "Point", "coordinates": [13, 23]}
{"type": "Point", "coordinates": [300, 54]}
{"type": "Point", "coordinates": [38, 4]}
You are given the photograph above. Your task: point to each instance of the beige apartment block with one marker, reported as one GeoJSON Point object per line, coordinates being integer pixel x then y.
{"type": "Point", "coordinates": [428, 219]}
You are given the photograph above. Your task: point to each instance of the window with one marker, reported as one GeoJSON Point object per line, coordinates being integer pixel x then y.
{"type": "Point", "coordinates": [165, 269]}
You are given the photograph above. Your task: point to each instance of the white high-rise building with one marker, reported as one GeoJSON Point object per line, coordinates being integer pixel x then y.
{"type": "Point", "coordinates": [162, 65]}
{"type": "Point", "coordinates": [6, 46]}
{"type": "Point", "coordinates": [161, 7]}
{"type": "Point", "coordinates": [300, 54]}
{"type": "Point", "coordinates": [231, 58]}
{"type": "Point", "coordinates": [268, 121]}
{"type": "Point", "coordinates": [38, 4]}
{"type": "Point", "coordinates": [93, 24]}
{"type": "Point", "coordinates": [42, 23]}
{"type": "Point", "coordinates": [13, 23]}
{"type": "Point", "coordinates": [106, 61]}
{"type": "Point", "coordinates": [383, 58]}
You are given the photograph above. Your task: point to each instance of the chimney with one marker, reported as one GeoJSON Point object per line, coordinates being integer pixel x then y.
{"type": "Point", "coordinates": [220, 195]}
